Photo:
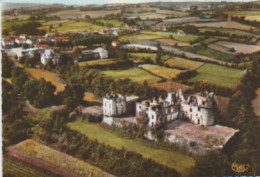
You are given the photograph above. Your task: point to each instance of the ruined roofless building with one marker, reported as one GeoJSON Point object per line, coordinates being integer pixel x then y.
{"type": "Point", "coordinates": [198, 108]}
{"type": "Point", "coordinates": [158, 112]}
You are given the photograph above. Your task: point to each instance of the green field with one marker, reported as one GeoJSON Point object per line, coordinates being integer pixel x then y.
{"type": "Point", "coordinates": [98, 62]}
{"type": "Point", "coordinates": [184, 38]}
{"type": "Point", "coordinates": [230, 31]}
{"type": "Point", "coordinates": [166, 73]}
{"type": "Point", "coordinates": [135, 74]}
{"type": "Point", "coordinates": [15, 167]}
{"type": "Point", "coordinates": [140, 56]}
{"type": "Point", "coordinates": [177, 62]}
{"type": "Point", "coordinates": [78, 26]}
{"type": "Point", "coordinates": [182, 163]}
{"type": "Point", "coordinates": [115, 23]}
{"type": "Point", "coordinates": [218, 75]}
{"type": "Point", "coordinates": [209, 53]}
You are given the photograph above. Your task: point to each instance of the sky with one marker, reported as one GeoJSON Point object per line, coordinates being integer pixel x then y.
{"type": "Point", "coordinates": [79, 2]}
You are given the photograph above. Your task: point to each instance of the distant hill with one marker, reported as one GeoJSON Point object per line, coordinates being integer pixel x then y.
{"type": "Point", "coordinates": [10, 5]}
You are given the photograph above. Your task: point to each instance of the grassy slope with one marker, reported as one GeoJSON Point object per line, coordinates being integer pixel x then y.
{"type": "Point", "coordinates": [135, 74]}
{"type": "Point", "coordinates": [219, 75]}
{"type": "Point", "coordinates": [172, 159]}
{"type": "Point", "coordinates": [231, 31]}
{"type": "Point", "coordinates": [48, 76]}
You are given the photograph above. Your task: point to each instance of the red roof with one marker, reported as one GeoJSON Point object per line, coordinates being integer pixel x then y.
{"type": "Point", "coordinates": [42, 46]}
{"type": "Point", "coordinates": [116, 42]}
{"type": "Point", "coordinates": [41, 37]}
{"type": "Point", "coordinates": [8, 40]}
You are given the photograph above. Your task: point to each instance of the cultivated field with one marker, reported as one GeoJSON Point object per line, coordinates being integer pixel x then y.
{"type": "Point", "coordinates": [115, 23]}
{"type": "Point", "coordinates": [141, 56]}
{"type": "Point", "coordinates": [184, 20]}
{"type": "Point", "coordinates": [135, 74]}
{"type": "Point", "coordinates": [173, 42]}
{"type": "Point", "coordinates": [239, 48]}
{"type": "Point", "coordinates": [14, 167]}
{"type": "Point", "coordinates": [178, 37]}
{"type": "Point", "coordinates": [209, 53]}
{"type": "Point", "coordinates": [249, 15]}
{"type": "Point", "coordinates": [172, 159]}
{"type": "Point", "coordinates": [166, 73]}
{"type": "Point", "coordinates": [218, 75]}
{"type": "Point", "coordinates": [225, 24]}
{"type": "Point", "coordinates": [230, 31]}
{"type": "Point", "coordinates": [78, 26]}
{"type": "Point", "coordinates": [171, 86]}
{"type": "Point", "coordinates": [73, 14]}
{"type": "Point", "coordinates": [103, 62]}
{"type": "Point", "coordinates": [48, 76]}
{"type": "Point", "coordinates": [53, 160]}
{"type": "Point", "coordinates": [177, 62]}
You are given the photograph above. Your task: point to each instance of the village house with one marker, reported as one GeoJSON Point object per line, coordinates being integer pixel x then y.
{"type": "Point", "coordinates": [47, 56]}
{"type": "Point", "coordinates": [115, 43]}
{"type": "Point", "coordinates": [7, 42]}
{"type": "Point", "coordinates": [103, 53]}
{"type": "Point", "coordinates": [59, 39]}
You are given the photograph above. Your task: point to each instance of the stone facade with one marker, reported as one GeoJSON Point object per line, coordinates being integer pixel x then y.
{"type": "Point", "coordinates": [115, 105]}
{"type": "Point", "coordinates": [198, 108]}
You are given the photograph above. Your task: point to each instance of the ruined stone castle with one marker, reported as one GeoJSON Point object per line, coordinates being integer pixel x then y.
{"type": "Point", "coordinates": [197, 108]}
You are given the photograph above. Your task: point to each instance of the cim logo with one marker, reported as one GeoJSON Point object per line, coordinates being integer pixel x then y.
{"type": "Point", "coordinates": [240, 168]}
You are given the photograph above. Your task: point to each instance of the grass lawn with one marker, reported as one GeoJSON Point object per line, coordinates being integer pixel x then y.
{"type": "Point", "coordinates": [167, 73]}
{"type": "Point", "coordinates": [182, 163]}
{"type": "Point", "coordinates": [98, 62]}
{"type": "Point", "coordinates": [135, 74]}
{"type": "Point", "coordinates": [209, 53]}
{"type": "Point", "coordinates": [219, 75]}
{"type": "Point", "coordinates": [48, 76]}
{"type": "Point", "coordinates": [177, 62]}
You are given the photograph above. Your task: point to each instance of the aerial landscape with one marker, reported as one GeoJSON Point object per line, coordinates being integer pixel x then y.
{"type": "Point", "coordinates": [141, 89]}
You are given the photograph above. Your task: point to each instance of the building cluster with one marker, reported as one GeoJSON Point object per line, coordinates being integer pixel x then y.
{"type": "Point", "coordinates": [185, 122]}
{"type": "Point", "coordinates": [26, 46]}
{"type": "Point", "coordinates": [197, 108]}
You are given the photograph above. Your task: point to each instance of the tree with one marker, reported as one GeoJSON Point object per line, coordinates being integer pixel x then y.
{"type": "Point", "coordinates": [72, 96]}
{"type": "Point", "coordinates": [7, 65]}
{"type": "Point", "coordinates": [158, 58]}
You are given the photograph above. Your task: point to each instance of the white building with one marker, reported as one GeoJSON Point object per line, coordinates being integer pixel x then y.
{"type": "Point", "coordinates": [46, 56]}
{"type": "Point", "coordinates": [198, 109]}
{"type": "Point", "coordinates": [158, 112]}
{"type": "Point", "coordinates": [115, 105]}
{"type": "Point", "coordinates": [102, 52]}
